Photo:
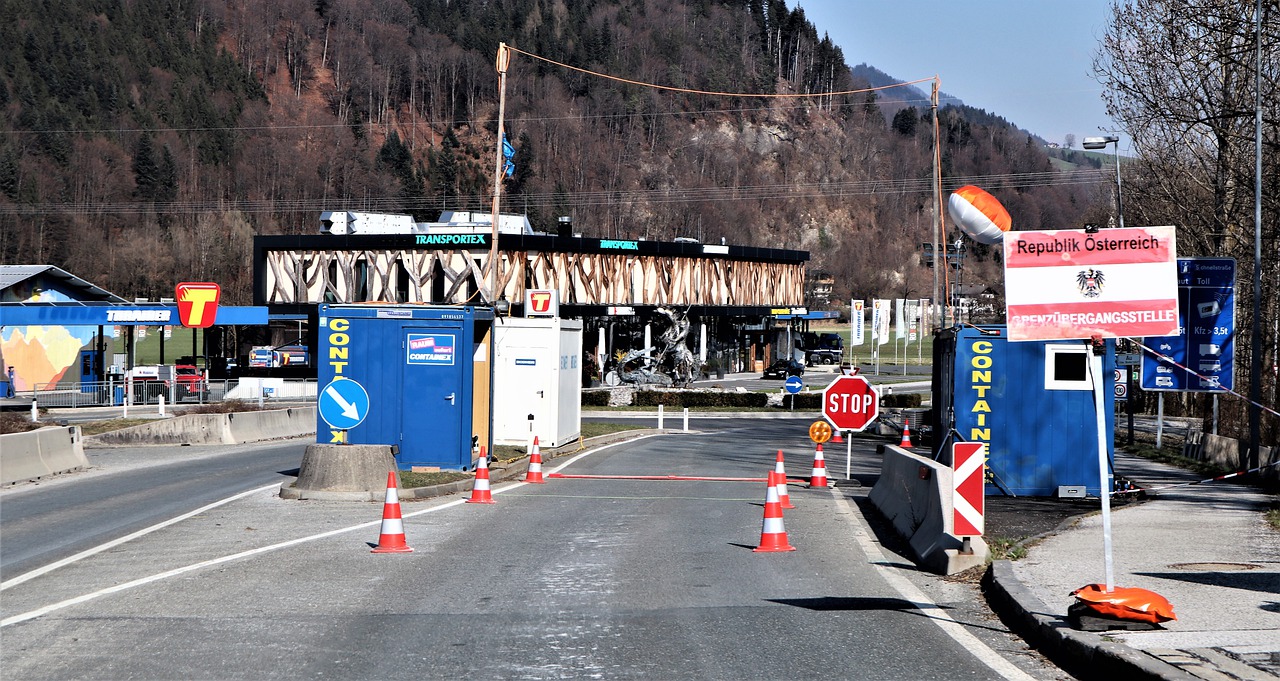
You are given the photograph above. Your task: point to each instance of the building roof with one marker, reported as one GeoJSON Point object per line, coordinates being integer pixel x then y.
{"type": "Point", "coordinates": [12, 275]}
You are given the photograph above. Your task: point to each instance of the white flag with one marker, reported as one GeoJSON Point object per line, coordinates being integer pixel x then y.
{"type": "Point", "coordinates": [900, 329]}
{"type": "Point", "coordinates": [857, 318]}
{"type": "Point", "coordinates": [882, 326]}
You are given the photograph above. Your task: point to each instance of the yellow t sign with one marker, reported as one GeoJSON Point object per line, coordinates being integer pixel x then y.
{"type": "Point", "coordinates": [197, 303]}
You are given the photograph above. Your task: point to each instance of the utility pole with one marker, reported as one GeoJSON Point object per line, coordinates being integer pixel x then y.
{"type": "Point", "coordinates": [937, 212]}
{"type": "Point", "coordinates": [491, 281]}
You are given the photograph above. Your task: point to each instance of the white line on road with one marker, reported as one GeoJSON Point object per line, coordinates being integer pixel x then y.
{"type": "Point", "coordinates": [116, 542]}
{"type": "Point", "coordinates": [39, 612]}
{"type": "Point", "coordinates": [923, 603]}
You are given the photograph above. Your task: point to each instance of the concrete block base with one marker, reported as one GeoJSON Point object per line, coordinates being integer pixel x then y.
{"type": "Point", "coordinates": [342, 472]}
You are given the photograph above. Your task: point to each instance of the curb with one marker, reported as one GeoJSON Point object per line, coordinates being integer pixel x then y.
{"type": "Point", "coordinates": [1085, 653]}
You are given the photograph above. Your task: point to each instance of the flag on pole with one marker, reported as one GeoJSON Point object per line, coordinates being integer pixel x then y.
{"type": "Point", "coordinates": [913, 320]}
{"type": "Point", "coordinates": [882, 321]}
{"type": "Point", "coordinates": [857, 318]}
{"type": "Point", "coordinates": [899, 311]}
{"type": "Point", "coordinates": [508, 153]}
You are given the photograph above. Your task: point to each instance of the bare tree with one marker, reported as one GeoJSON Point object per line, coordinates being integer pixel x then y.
{"type": "Point", "coordinates": [1179, 75]}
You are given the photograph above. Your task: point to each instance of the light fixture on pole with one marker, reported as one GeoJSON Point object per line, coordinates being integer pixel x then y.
{"type": "Point", "coordinates": [1101, 143]}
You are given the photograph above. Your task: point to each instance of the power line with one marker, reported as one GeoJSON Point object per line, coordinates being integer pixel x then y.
{"type": "Point", "coordinates": [584, 199]}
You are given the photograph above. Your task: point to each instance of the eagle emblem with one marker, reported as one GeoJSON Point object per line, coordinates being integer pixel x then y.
{"type": "Point", "coordinates": [1090, 282]}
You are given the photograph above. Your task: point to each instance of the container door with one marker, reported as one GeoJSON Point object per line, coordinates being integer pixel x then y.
{"type": "Point", "coordinates": [433, 403]}
{"type": "Point", "coordinates": [532, 373]}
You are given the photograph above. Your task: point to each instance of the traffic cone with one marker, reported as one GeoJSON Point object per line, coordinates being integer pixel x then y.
{"type": "Point", "coordinates": [391, 538]}
{"type": "Point", "coordinates": [773, 536]}
{"type": "Point", "coordinates": [780, 470]}
{"type": "Point", "coordinates": [906, 435]}
{"type": "Point", "coordinates": [480, 493]}
{"type": "Point", "coordinates": [535, 463]}
{"type": "Point", "coordinates": [819, 476]}
{"type": "Point", "coordinates": [835, 437]}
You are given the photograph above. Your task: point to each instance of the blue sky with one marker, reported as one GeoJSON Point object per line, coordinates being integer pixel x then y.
{"type": "Point", "coordinates": [1028, 61]}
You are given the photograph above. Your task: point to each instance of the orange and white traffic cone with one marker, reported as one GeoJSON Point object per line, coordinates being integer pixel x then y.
{"type": "Point", "coordinates": [906, 435]}
{"type": "Point", "coordinates": [819, 476]}
{"type": "Point", "coordinates": [773, 535]}
{"type": "Point", "coordinates": [535, 463]}
{"type": "Point", "coordinates": [835, 437]}
{"type": "Point", "coordinates": [780, 470]}
{"type": "Point", "coordinates": [391, 538]}
{"type": "Point", "coordinates": [480, 493]}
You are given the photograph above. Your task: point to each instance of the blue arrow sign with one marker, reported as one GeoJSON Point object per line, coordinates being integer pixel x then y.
{"type": "Point", "coordinates": [343, 404]}
{"type": "Point", "coordinates": [794, 384]}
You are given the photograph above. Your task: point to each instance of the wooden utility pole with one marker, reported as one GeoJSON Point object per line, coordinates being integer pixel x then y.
{"type": "Point", "coordinates": [491, 281]}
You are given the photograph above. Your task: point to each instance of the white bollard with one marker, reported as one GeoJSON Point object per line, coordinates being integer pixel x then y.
{"type": "Point", "coordinates": [160, 401]}
{"type": "Point", "coordinates": [35, 412]}
{"type": "Point", "coordinates": [686, 419]}
{"type": "Point", "coordinates": [659, 417]}
{"type": "Point", "coordinates": [260, 398]}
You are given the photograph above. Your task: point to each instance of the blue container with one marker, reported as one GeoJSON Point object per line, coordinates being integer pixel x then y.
{"type": "Point", "coordinates": [426, 374]}
{"type": "Point", "coordinates": [1032, 402]}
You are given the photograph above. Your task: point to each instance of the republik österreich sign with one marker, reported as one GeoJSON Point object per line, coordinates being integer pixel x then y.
{"type": "Point", "coordinates": [1073, 284]}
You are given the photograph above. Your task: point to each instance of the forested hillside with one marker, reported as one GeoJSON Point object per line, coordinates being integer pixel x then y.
{"type": "Point", "coordinates": [147, 141]}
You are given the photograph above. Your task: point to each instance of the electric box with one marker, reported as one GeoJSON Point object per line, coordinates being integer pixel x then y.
{"type": "Point", "coordinates": [1032, 402]}
{"type": "Point", "coordinates": [412, 376]}
{"type": "Point", "coordinates": [537, 380]}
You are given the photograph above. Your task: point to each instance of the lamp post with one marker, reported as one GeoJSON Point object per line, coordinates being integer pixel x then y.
{"type": "Point", "coordinates": [1101, 143]}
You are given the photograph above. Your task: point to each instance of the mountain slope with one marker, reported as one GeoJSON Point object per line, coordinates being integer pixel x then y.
{"type": "Point", "coordinates": [253, 117]}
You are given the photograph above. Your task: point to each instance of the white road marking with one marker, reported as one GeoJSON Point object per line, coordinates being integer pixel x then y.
{"type": "Point", "coordinates": [32, 614]}
{"type": "Point", "coordinates": [116, 542]}
{"type": "Point", "coordinates": [909, 592]}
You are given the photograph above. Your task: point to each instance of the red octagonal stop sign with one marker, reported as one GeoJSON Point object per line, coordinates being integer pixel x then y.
{"type": "Point", "coordinates": [850, 403]}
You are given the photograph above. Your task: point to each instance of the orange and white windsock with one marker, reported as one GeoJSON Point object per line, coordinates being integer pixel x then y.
{"type": "Point", "coordinates": [979, 214]}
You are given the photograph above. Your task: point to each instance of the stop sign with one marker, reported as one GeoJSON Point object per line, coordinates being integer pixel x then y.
{"type": "Point", "coordinates": [850, 403]}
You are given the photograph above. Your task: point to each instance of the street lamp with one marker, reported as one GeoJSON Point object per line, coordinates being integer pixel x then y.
{"type": "Point", "coordinates": [1101, 143]}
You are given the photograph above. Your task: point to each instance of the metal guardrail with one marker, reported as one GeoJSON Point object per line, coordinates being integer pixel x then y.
{"type": "Point", "coordinates": [65, 394]}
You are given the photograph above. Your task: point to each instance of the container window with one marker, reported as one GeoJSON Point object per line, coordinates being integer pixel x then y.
{"type": "Point", "coordinates": [1066, 367]}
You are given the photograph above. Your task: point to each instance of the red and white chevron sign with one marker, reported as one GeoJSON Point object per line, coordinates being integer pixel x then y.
{"type": "Point", "coordinates": [967, 459]}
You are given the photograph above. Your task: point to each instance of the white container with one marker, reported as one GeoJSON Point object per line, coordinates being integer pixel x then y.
{"type": "Point", "coordinates": [537, 381]}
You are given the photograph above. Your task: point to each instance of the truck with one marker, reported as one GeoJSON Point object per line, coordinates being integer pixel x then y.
{"type": "Point", "coordinates": [821, 348]}
{"type": "Point", "coordinates": [176, 382]}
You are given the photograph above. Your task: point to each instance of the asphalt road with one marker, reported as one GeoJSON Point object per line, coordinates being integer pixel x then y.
{"type": "Point", "coordinates": [127, 490]}
{"type": "Point", "coordinates": [578, 578]}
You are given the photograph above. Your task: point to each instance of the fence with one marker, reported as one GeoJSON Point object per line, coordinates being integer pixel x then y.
{"type": "Point", "coordinates": [113, 393]}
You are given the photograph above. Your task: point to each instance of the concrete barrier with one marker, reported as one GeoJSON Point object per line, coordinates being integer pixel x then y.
{"type": "Point", "coordinates": [342, 473]}
{"type": "Point", "coordinates": [40, 453]}
{"type": "Point", "coordinates": [252, 426]}
{"type": "Point", "coordinates": [192, 429]}
{"type": "Point", "coordinates": [62, 449]}
{"type": "Point", "coordinates": [215, 429]}
{"type": "Point", "coordinates": [914, 494]}
{"type": "Point", "coordinates": [1230, 453]}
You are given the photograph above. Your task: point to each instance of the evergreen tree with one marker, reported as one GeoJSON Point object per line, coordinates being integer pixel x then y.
{"type": "Point", "coordinates": [145, 170]}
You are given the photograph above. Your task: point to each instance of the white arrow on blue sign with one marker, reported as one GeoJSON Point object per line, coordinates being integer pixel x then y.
{"type": "Point", "coordinates": [794, 384]}
{"type": "Point", "coordinates": [343, 404]}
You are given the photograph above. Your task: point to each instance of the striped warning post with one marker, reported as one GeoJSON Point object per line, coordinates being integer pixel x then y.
{"type": "Point", "coordinates": [535, 463]}
{"type": "Point", "coordinates": [773, 535]}
{"type": "Point", "coordinates": [391, 537]}
{"type": "Point", "coordinates": [780, 469]}
{"type": "Point", "coordinates": [819, 476]}
{"type": "Point", "coordinates": [480, 493]}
